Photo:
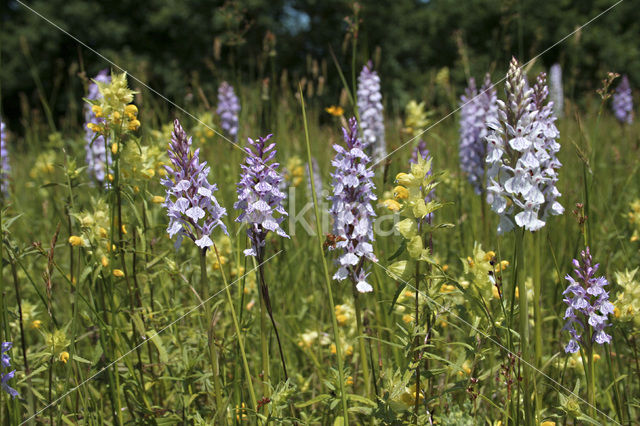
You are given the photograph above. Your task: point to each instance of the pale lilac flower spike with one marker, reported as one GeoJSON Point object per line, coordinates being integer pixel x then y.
{"type": "Point", "coordinates": [228, 109]}
{"type": "Point", "coordinates": [477, 110]}
{"type": "Point", "coordinates": [259, 196]}
{"type": "Point", "coordinates": [192, 208]}
{"type": "Point", "coordinates": [556, 91]}
{"type": "Point", "coordinates": [370, 111]}
{"type": "Point", "coordinates": [588, 303]}
{"type": "Point", "coordinates": [623, 102]}
{"type": "Point", "coordinates": [521, 156]}
{"type": "Point", "coordinates": [6, 364]}
{"type": "Point", "coordinates": [97, 156]}
{"type": "Point", "coordinates": [5, 167]}
{"type": "Point", "coordinates": [351, 209]}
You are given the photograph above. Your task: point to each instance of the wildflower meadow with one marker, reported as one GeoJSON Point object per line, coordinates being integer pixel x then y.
{"type": "Point", "coordinates": [323, 243]}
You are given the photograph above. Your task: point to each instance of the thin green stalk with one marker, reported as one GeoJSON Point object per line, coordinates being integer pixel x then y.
{"type": "Point", "coordinates": [612, 377]}
{"type": "Point", "coordinates": [264, 345]}
{"type": "Point", "coordinates": [334, 321]}
{"type": "Point", "coordinates": [416, 343]}
{"type": "Point", "coordinates": [212, 352]}
{"type": "Point", "coordinates": [524, 323]}
{"type": "Point", "coordinates": [537, 313]}
{"type": "Point", "coordinates": [245, 364]}
{"type": "Point", "coordinates": [363, 353]}
{"type": "Point", "coordinates": [591, 380]}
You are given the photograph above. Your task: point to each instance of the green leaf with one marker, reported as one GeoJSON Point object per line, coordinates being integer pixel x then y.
{"type": "Point", "coordinates": [401, 287]}
{"type": "Point", "coordinates": [361, 399]}
{"type": "Point", "coordinates": [157, 342]}
{"type": "Point", "coordinates": [320, 398]}
{"type": "Point", "coordinates": [399, 251]}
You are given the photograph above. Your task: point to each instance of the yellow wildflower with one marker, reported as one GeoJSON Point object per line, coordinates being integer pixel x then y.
{"type": "Point", "coordinates": [118, 273]}
{"type": "Point", "coordinates": [335, 110]}
{"type": "Point", "coordinates": [104, 261]}
{"type": "Point", "coordinates": [157, 199]}
{"type": "Point", "coordinates": [392, 205]}
{"type": "Point", "coordinates": [97, 110]}
{"type": "Point", "coordinates": [76, 241]}
{"type": "Point", "coordinates": [36, 324]}
{"type": "Point", "coordinates": [131, 110]}
{"type": "Point", "coordinates": [64, 356]}
{"type": "Point", "coordinates": [404, 179]}
{"type": "Point", "coordinates": [134, 125]}
{"type": "Point", "coordinates": [400, 192]}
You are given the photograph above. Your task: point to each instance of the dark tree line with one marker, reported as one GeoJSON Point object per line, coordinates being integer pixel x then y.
{"type": "Point", "coordinates": [174, 44]}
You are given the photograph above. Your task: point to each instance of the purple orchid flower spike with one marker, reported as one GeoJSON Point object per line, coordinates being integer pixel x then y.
{"type": "Point", "coordinates": [192, 208]}
{"type": "Point", "coordinates": [259, 196]}
{"type": "Point", "coordinates": [588, 305]}
{"type": "Point", "coordinates": [351, 209]}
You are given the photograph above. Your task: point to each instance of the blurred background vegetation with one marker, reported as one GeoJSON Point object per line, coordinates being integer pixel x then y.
{"type": "Point", "coordinates": [176, 46]}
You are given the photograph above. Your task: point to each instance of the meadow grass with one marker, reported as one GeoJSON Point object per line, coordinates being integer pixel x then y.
{"type": "Point", "coordinates": [160, 343]}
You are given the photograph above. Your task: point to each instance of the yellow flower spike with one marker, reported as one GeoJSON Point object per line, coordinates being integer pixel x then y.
{"type": "Point", "coordinates": [97, 110]}
{"type": "Point", "coordinates": [103, 233]}
{"type": "Point", "coordinates": [400, 192]}
{"type": "Point", "coordinates": [157, 199]}
{"type": "Point", "coordinates": [489, 255]}
{"type": "Point", "coordinates": [76, 241]}
{"type": "Point", "coordinates": [407, 318]}
{"type": "Point", "coordinates": [115, 117]}
{"type": "Point", "coordinates": [118, 273]}
{"type": "Point", "coordinates": [392, 205]}
{"type": "Point", "coordinates": [445, 267]}
{"type": "Point", "coordinates": [64, 356]}
{"type": "Point", "coordinates": [110, 177]}
{"type": "Point", "coordinates": [104, 261]}
{"type": "Point", "coordinates": [124, 228]}
{"type": "Point", "coordinates": [333, 349]}
{"type": "Point", "coordinates": [349, 381]}
{"type": "Point", "coordinates": [335, 110]}
{"type": "Point", "coordinates": [131, 110]}
{"type": "Point", "coordinates": [114, 148]}
{"type": "Point", "coordinates": [36, 324]}
{"type": "Point", "coordinates": [504, 264]}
